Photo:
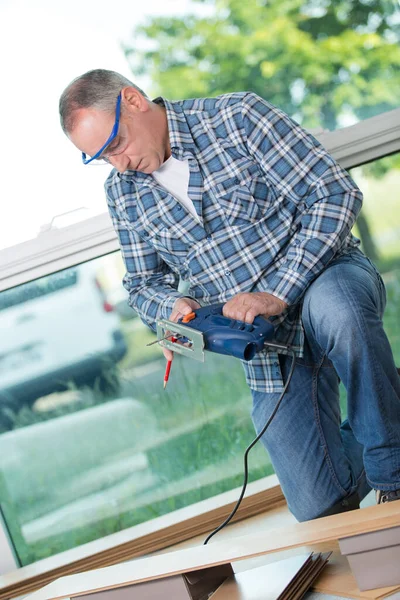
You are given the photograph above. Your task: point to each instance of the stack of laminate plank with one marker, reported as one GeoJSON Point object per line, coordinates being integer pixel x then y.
{"type": "Point", "coordinates": [288, 579]}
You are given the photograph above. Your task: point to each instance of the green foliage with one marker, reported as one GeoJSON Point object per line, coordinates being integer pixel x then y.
{"type": "Point", "coordinates": [379, 168]}
{"type": "Point", "coordinates": [317, 60]}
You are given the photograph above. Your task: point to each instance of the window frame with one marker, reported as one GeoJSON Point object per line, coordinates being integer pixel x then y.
{"type": "Point", "coordinates": [8, 558]}
{"type": "Point", "coordinates": [57, 249]}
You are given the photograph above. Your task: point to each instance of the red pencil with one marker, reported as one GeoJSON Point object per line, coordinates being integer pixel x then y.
{"type": "Point", "coordinates": [167, 371]}
{"type": "Point", "coordinates": [168, 368]}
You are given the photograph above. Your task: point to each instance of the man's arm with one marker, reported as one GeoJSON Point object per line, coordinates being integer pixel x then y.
{"type": "Point", "coordinates": [152, 285]}
{"type": "Point", "coordinates": [297, 165]}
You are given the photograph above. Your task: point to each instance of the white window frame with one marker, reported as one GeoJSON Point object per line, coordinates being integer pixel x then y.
{"type": "Point", "coordinates": [56, 249]}
{"type": "Point", "coordinates": [8, 558]}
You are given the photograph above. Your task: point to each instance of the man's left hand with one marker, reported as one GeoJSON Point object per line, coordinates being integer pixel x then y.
{"type": "Point", "coordinates": [247, 306]}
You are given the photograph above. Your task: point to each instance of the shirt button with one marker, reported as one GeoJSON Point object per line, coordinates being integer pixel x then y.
{"type": "Point", "coordinates": [236, 181]}
{"type": "Point", "coordinates": [209, 236]}
{"type": "Point", "coordinates": [146, 234]}
{"type": "Point", "coordinates": [179, 207]}
{"type": "Point", "coordinates": [227, 273]}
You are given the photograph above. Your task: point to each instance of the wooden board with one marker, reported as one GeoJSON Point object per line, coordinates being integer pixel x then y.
{"type": "Point", "coordinates": [335, 527]}
{"type": "Point", "coordinates": [338, 580]}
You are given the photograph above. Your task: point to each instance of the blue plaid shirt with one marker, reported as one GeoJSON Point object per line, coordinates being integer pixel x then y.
{"type": "Point", "coordinates": [274, 209]}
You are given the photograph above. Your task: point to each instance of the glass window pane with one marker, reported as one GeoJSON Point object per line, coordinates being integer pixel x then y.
{"type": "Point", "coordinates": [91, 443]}
{"type": "Point", "coordinates": [38, 288]}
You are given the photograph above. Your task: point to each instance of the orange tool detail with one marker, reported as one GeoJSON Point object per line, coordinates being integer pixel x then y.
{"type": "Point", "coordinates": [189, 317]}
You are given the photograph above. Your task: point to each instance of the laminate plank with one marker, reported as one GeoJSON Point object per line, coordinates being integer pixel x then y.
{"type": "Point", "coordinates": [338, 580]}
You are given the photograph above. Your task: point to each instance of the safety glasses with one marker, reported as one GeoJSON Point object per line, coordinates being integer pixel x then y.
{"type": "Point", "coordinates": [114, 132]}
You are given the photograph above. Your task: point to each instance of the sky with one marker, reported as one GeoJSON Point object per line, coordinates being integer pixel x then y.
{"type": "Point", "coordinates": [43, 46]}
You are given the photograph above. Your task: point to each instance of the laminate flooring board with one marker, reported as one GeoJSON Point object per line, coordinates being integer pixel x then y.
{"type": "Point", "coordinates": [337, 579]}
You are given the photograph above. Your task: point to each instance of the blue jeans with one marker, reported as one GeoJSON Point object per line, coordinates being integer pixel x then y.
{"type": "Point", "coordinates": [319, 460]}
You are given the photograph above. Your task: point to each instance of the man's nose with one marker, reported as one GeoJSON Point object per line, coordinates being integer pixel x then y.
{"type": "Point", "coordinates": [119, 161]}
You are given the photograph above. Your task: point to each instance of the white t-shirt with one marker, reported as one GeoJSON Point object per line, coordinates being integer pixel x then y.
{"type": "Point", "coordinates": [173, 175]}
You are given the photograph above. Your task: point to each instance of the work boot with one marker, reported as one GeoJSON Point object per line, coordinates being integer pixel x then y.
{"type": "Point", "coordinates": [382, 497]}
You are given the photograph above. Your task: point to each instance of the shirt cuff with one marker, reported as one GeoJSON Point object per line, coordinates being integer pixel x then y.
{"type": "Point", "coordinates": [165, 306]}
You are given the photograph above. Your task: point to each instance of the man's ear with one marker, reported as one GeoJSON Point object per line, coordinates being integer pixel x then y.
{"type": "Point", "coordinates": [133, 99]}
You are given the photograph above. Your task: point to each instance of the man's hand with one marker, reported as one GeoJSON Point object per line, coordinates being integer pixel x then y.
{"type": "Point", "coordinates": [182, 306]}
{"type": "Point", "coordinates": [247, 306]}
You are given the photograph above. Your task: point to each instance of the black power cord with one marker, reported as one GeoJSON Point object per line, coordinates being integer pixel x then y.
{"type": "Point", "coordinates": [253, 443]}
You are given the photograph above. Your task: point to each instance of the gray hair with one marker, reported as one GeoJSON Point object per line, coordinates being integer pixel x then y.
{"type": "Point", "coordinates": [97, 89]}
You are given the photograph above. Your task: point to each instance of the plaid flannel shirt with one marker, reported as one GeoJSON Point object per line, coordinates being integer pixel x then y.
{"type": "Point", "coordinates": [274, 209]}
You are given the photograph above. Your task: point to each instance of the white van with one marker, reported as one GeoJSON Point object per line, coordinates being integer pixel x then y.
{"type": "Point", "coordinates": [55, 330]}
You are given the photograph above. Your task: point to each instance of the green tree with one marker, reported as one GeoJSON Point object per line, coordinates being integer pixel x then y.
{"type": "Point", "coordinates": [318, 60]}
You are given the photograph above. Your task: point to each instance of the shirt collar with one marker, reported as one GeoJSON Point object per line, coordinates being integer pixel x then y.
{"type": "Point", "coordinates": [180, 138]}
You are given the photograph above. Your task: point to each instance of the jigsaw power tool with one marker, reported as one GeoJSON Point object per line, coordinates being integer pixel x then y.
{"type": "Point", "coordinates": [206, 328]}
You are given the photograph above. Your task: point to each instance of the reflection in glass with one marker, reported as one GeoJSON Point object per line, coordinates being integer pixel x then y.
{"type": "Point", "coordinates": [91, 443]}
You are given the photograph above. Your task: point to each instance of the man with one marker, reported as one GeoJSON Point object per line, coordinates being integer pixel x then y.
{"type": "Point", "coordinates": [232, 196]}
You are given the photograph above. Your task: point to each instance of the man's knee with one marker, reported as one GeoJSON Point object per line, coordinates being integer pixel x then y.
{"type": "Point", "coordinates": [313, 508]}
{"type": "Point", "coordinates": [334, 318]}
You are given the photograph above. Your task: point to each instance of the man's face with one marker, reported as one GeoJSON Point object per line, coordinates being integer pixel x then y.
{"type": "Point", "coordinates": [141, 143]}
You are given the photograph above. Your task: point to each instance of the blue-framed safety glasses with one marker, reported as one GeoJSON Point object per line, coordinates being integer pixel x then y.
{"type": "Point", "coordinates": [113, 134]}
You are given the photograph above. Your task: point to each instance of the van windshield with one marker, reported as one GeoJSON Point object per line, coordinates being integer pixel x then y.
{"type": "Point", "coordinates": [38, 288]}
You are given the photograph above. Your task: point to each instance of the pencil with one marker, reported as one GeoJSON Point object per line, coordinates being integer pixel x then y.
{"type": "Point", "coordinates": [167, 371]}
{"type": "Point", "coordinates": [168, 368]}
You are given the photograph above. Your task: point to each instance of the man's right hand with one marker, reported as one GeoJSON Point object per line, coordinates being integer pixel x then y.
{"type": "Point", "coordinates": [182, 306]}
